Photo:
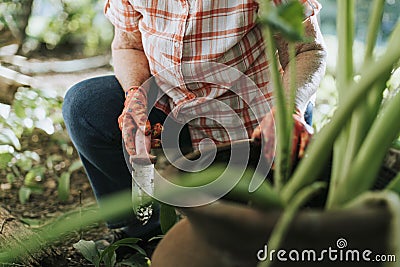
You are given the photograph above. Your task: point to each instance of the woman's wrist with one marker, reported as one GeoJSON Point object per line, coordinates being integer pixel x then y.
{"type": "Point", "coordinates": [130, 90]}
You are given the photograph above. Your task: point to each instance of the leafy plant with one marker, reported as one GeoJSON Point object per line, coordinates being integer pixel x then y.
{"type": "Point", "coordinates": [95, 255]}
{"type": "Point", "coordinates": [34, 114]}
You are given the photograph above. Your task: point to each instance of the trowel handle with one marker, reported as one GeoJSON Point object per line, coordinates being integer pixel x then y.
{"type": "Point", "coordinates": [143, 145]}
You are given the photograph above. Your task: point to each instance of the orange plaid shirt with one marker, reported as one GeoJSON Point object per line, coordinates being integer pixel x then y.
{"type": "Point", "coordinates": [180, 38]}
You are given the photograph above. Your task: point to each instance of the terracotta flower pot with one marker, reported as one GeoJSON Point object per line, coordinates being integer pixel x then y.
{"type": "Point", "coordinates": [225, 234]}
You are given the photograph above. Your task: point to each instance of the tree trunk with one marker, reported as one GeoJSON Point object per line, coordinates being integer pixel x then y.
{"type": "Point", "coordinates": [13, 232]}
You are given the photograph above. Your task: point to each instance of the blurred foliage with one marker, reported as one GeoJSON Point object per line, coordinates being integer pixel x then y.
{"type": "Point", "coordinates": [391, 16]}
{"type": "Point", "coordinates": [68, 25]}
{"type": "Point", "coordinates": [327, 94]}
{"type": "Point", "coordinates": [32, 123]}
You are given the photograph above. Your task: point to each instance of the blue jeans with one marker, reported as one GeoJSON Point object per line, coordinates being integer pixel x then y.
{"type": "Point", "coordinates": [91, 109]}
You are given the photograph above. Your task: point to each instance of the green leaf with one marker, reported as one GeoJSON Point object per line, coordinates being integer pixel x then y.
{"type": "Point", "coordinates": [7, 136]}
{"type": "Point", "coordinates": [6, 149]}
{"type": "Point", "coordinates": [36, 189]}
{"type": "Point", "coordinates": [287, 20]}
{"type": "Point", "coordinates": [108, 254]}
{"type": "Point", "coordinates": [89, 250]}
{"type": "Point", "coordinates": [76, 165]}
{"type": "Point", "coordinates": [168, 217]}
{"type": "Point", "coordinates": [64, 186]}
{"type": "Point", "coordinates": [30, 177]}
{"type": "Point", "coordinates": [5, 158]}
{"type": "Point", "coordinates": [396, 144]}
{"type": "Point", "coordinates": [25, 163]}
{"type": "Point", "coordinates": [156, 237]}
{"type": "Point", "coordinates": [109, 259]}
{"type": "Point", "coordinates": [138, 249]}
{"type": "Point", "coordinates": [24, 194]}
{"type": "Point", "coordinates": [19, 109]}
{"type": "Point", "coordinates": [281, 228]}
{"type": "Point", "coordinates": [137, 260]}
{"type": "Point", "coordinates": [10, 177]}
{"type": "Point", "coordinates": [32, 155]}
{"type": "Point", "coordinates": [130, 242]}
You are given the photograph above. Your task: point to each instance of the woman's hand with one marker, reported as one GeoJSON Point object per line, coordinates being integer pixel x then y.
{"type": "Point", "coordinates": [138, 135]}
{"type": "Point", "coordinates": [265, 133]}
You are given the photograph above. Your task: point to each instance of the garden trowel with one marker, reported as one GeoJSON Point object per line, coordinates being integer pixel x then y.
{"type": "Point", "coordinates": [141, 167]}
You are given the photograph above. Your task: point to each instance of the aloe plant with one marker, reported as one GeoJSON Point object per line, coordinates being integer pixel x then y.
{"type": "Point", "coordinates": [319, 149]}
{"type": "Point", "coordinates": [360, 131]}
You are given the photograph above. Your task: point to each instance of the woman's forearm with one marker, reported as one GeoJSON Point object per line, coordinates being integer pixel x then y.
{"type": "Point", "coordinates": [310, 63]}
{"type": "Point", "coordinates": [131, 66]}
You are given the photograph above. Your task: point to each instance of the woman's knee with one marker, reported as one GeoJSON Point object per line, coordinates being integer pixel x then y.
{"type": "Point", "coordinates": [73, 105]}
{"type": "Point", "coordinates": [91, 109]}
{"type": "Point", "coordinates": [86, 98]}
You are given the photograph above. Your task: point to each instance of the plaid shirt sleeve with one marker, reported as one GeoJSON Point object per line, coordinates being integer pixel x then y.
{"type": "Point", "coordinates": [122, 15]}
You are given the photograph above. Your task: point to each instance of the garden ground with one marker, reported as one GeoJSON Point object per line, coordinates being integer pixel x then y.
{"type": "Point", "coordinates": [46, 206]}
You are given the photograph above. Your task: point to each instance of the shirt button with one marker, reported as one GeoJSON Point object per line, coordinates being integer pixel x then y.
{"type": "Point", "coordinates": [176, 44]}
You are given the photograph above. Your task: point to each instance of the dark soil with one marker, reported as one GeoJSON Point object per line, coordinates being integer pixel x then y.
{"type": "Point", "coordinates": [46, 206]}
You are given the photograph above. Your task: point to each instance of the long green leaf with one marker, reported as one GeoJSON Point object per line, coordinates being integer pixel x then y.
{"type": "Point", "coordinates": [373, 28]}
{"type": "Point", "coordinates": [64, 186]}
{"type": "Point", "coordinates": [264, 197]}
{"type": "Point", "coordinates": [361, 121]}
{"type": "Point", "coordinates": [282, 133]}
{"type": "Point", "coordinates": [318, 151]}
{"type": "Point", "coordinates": [370, 157]}
{"type": "Point", "coordinates": [291, 108]}
{"type": "Point", "coordinates": [365, 114]}
{"type": "Point", "coordinates": [345, 68]}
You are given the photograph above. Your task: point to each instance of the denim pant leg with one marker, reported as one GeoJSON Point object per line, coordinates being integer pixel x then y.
{"type": "Point", "coordinates": [91, 109]}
